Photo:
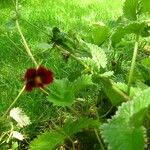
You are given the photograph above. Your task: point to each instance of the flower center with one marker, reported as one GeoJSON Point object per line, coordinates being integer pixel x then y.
{"type": "Point", "coordinates": [38, 80]}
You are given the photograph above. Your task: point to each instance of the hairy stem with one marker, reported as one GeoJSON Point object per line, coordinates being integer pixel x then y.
{"type": "Point", "coordinates": [133, 63]}
{"type": "Point", "coordinates": [73, 56]}
{"type": "Point", "coordinates": [25, 43]}
{"type": "Point", "coordinates": [15, 100]}
{"type": "Point", "coordinates": [23, 38]}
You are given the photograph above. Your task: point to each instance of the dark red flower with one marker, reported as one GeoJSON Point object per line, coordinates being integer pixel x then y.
{"type": "Point", "coordinates": [38, 77]}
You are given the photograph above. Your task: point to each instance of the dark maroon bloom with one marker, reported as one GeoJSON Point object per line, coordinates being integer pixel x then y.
{"type": "Point", "coordinates": [38, 77]}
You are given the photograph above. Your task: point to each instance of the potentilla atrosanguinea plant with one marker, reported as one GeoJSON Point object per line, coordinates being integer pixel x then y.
{"type": "Point", "coordinates": [39, 77]}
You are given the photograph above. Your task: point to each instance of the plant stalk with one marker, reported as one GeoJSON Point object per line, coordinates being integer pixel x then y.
{"type": "Point", "coordinates": [23, 38]}
{"type": "Point", "coordinates": [133, 63]}
{"type": "Point", "coordinates": [99, 140]}
{"type": "Point", "coordinates": [15, 100]}
{"type": "Point", "coordinates": [25, 43]}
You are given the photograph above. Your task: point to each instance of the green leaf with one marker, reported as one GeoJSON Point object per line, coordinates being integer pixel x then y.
{"type": "Point", "coordinates": [146, 6]}
{"type": "Point", "coordinates": [146, 62]}
{"type": "Point", "coordinates": [43, 46]}
{"type": "Point", "coordinates": [47, 141]}
{"type": "Point", "coordinates": [107, 74]}
{"type": "Point", "coordinates": [90, 63]}
{"type": "Point", "coordinates": [98, 57]}
{"type": "Point", "coordinates": [100, 33]}
{"type": "Point", "coordinates": [61, 93]}
{"type": "Point", "coordinates": [134, 90]}
{"type": "Point", "coordinates": [124, 132]}
{"type": "Point", "coordinates": [71, 128]}
{"type": "Point", "coordinates": [50, 140]}
{"type": "Point", "coordinates": [82, 82]}
{"type": "Point", "coordinates": [144, 72]}
{"type": "Point", "coordinates": [115, 95]}
{"type": "Point", "coordinates": [123, 137]}
{"type": "Point", "coordinates": [138, 118]}
{"type": "Point", "coordinates": [130, 9]}
{"type": "Point", "coordinates": [134, 27]}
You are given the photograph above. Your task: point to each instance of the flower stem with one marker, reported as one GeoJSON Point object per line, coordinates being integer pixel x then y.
{"type": "Point", "coordinates": [25, 43]}
{"type": "Point", "coordinates": [133, 63]}
{"type": "Point", "coordinates": [23, 38]}
{"type": "Point", "coordinates": [15, 100]}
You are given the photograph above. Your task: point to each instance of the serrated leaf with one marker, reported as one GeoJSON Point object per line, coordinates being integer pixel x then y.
{"type": "Point", "coordinates": [134, 90]}
{"type": "Point", "coordinates": [122, 132]}
{"type": "Point", "coordinates": [130, 9]}
{"type": "Point", "coordinates": [99, 56]}
{"type": "Point", "coordinates": [134, 27]}
{"type": "Point", "coordinates": [61, 93]}
{"type": "Point", "coordinates": [82, 82]}
{"type": "Point", "coordinates": [89, 62]}
{"type": "Point", "coordinates": [107, 74]}
{"type": "Point", "coordinates": [47, 141]}
{"type": "Point", "coordinates": [100, 33]}
{"type": "Point", "coordinates": [123, 137]}
{"type": "Point", "coordinates": [50, 140]}
{"type": "Point", "coordinates": [98, 60]}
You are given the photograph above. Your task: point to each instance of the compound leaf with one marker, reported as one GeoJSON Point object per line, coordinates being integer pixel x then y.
{"type": "Point", "coordinates": [61, 93]}
{"type": "Point", "coordinates": [98, 58]}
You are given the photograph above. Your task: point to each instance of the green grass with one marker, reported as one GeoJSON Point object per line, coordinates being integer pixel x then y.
{"type": "Point", "coordinates": [73, 15]}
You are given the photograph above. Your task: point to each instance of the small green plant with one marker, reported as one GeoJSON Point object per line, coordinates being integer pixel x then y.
{"type": "Point", "coordinates": [103, 104]}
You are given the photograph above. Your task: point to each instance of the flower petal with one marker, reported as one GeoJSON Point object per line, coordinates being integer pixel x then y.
{"type": "Point", "coordinates": [41, 86]}
{"type": "Point", "coordinates": [29, 86]}
{"type": "Point", "coordinates": [45, 74]}
{"type": "Point", "coordinates": [30, 73]}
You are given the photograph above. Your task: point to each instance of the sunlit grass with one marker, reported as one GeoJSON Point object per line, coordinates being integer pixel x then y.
{"type": "Point", "coordinates": [67, 14]}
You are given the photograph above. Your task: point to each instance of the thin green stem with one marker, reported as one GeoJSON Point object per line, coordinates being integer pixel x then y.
{"type": "Point", "coordinates": [23, 38]}
{"type": "Point", "coordinates": [99, 139]}
{"type": "Point", "coordinates": [107, 112]}
{"type": "Point", "coordinates": [74, 57]}
{"type": "Point", "coordinates": [15, 100]}
{"type": "Point", "coordinates": [25, 43]}
{"type": "Point", "coordinates": [133, 63]}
